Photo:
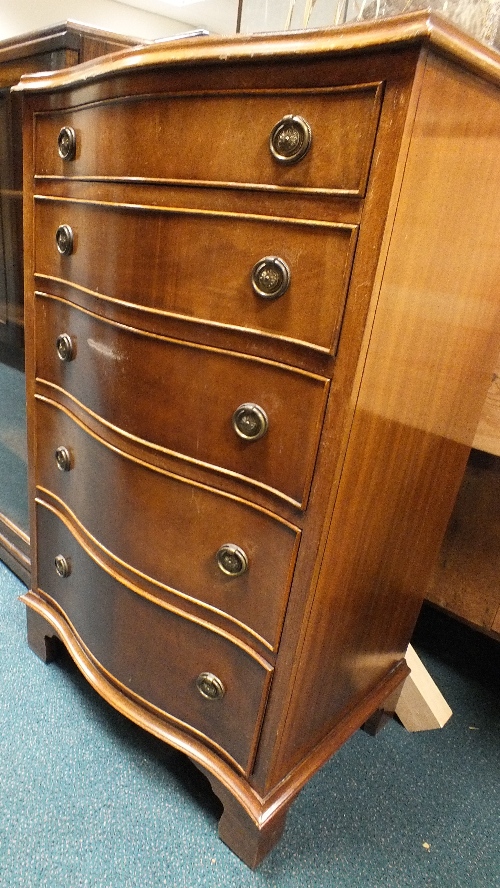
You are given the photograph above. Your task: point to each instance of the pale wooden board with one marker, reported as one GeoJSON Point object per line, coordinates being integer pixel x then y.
{"type": "Point", "coordinates": [488, 430]}
{"type": "Point", "coordinates": [421, 705]}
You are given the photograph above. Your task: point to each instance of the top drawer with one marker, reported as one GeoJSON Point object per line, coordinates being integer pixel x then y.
{"type": "Point", "coordinates": [220, 139]}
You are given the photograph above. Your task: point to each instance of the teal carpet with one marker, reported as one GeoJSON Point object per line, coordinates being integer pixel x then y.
{"type": "Point", "coordinates": [90, 801]}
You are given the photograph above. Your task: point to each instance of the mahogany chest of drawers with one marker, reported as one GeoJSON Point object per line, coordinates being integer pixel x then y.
{"type": "Point", "coordinates": [258, 275]}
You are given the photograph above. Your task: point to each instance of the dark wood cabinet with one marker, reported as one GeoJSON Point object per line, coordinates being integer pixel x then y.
{"type": "Point", "coordinates": [258, 276]}
{"type": "Point", "coordinates": [46, 50]}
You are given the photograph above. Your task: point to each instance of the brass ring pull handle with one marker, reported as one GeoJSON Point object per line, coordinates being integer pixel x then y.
{"type": "Point", "coordinates": [290, 139]}
{"type": "Point", "coordinates": [63, 567]}
{"type": "Point", "coordinates": [270, 277]}
{"type": "Point", "coordinates": [210, 686]}
{"type": "Point", "coordinates": [63, 459]}
{"type": "Point", "coordinates": [66, 143]}
{"type": "Point", "coordinates": [232, 560]}
{"type": "Point", "coordinates": [64, 240]}
{"type": "Point", "coordinates": [65, 347]}
{"type": "Point", "coordinates": [250, 422]}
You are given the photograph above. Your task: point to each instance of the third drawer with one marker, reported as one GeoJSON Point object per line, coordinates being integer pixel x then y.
{"type": "Point", "coordinates": [185, 399]}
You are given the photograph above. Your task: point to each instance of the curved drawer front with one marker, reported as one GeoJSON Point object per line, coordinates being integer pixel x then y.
{"type": "Point", "coordinates": [177, 529]}
{"type": "Point", "coordinates": [184, 397]}
{"type": "Point", "coordinates": [199, 265]}
{"type": "Point", "coordinates": [155, 653]}
{"type": "Point", "coordinates": [174, 137]}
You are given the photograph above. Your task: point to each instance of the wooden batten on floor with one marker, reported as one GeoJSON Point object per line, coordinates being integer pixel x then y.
{"type": "Point", "coordinates": [421, 705]}
{"type": "Point", "coordinates": [488, 431]}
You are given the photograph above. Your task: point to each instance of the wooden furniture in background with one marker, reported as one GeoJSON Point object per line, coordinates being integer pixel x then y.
{"type": "Point", "coordinates": [46, 50]}
{"type": "Point", "coordinates": [465, 581]}
{"type": "Point", "coordinates": [260, 283]}
{"type": "Point", "coordinates": [466, 578]}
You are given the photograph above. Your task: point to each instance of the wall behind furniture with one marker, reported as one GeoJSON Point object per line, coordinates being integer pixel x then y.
{"type": "Point", "coordinates": [22, 16]}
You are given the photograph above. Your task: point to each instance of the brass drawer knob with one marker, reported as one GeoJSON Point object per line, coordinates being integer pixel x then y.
{"type": "Point", "coordinates": [63, 459]}
{"type": "Point", "coordinates": [290, 139]}
{"type": "Point", "coordinates": [65, 347]}
{"type": "Point", "coordinates": [232, 560]}
{"type": "Point", "coordinates": [63, 567]}
{"type": "Point", "coordinates": [270, 277]}
{"type": "Point", "coordinates": [250, 422]}
{"type": "Point", "coordinates": [210, 686]}
{"type": "Point", "coordinates": [64, 240]}
{"type": "Point", "coordinates": [66, 143]}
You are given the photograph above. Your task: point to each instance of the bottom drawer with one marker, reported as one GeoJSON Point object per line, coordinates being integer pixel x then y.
{"type": "Point", "coordinates": [199, 676]}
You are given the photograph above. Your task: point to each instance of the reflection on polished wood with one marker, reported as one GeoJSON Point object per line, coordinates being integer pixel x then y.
{"type": "Point", "coordinates": [371, 379]}
{"type": "Point", "coordinates": [440, 289]}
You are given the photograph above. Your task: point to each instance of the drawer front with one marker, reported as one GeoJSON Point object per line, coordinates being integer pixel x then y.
{"type": "Point", "coordinates": [205, 265]}
{"type": "Point", "coordinates": [184, 398]}
{"type": "Point", "coordinates": [180, 531]}
{"type": "Point", "coordinates": [156, 654]}
{"type": "Point", "coordinates": [221, 139]}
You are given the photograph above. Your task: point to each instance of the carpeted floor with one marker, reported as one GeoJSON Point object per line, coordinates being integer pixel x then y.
{"type": "Point", "coordinates": [90, 801]}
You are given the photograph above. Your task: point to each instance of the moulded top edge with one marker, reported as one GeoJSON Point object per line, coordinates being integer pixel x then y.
{"type": "Point", "coordinates": [421, 27]}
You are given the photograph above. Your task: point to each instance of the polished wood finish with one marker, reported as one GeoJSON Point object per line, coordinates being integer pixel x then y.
{"type": "Point", "coordinates": [49, 49]}
{"type": "Point", "coordinates": [166, 404]}
{"type": "Point", "coordinates": [343, 130]}
{"type": "Point", "coordinates": [190, 522]}
{"type": "Point", "coordinates": [370, 422]}
{"type": "Point", "coordinates": [301, 46]}
{"type": "Point", "coordinates": [205, 260]}
{"type": "Point", "coordinates": [174, 649]}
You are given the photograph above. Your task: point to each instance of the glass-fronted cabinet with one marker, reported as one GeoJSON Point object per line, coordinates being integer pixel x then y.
{"type": "Point", "coordinates": [57, 47]}
{"type": "Point", "coordinates": [11, 301]}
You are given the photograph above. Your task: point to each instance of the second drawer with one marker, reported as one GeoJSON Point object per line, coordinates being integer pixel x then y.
{"type": "Point", "coordinates": [218, 268]}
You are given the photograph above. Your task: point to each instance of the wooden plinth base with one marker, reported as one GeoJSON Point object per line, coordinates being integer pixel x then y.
{"type": "Point", "coordinates": [42, 639]}
{"type": "Point", "coordinates": [250, 825]}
